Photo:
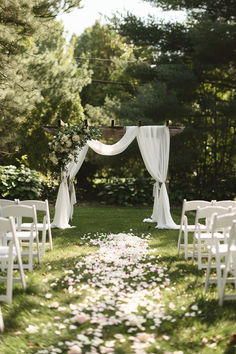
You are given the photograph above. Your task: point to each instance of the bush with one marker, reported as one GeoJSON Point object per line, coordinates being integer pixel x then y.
{"type": "Point", "coordinates": [126, 191]}
{"type": "Point", "coordinates": [22, 183]}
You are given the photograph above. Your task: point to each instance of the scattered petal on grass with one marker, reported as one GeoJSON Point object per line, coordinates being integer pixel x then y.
{"type": "Point", "coordinates": [32, 329]}
{"type": "Point", "coordinates": [119, 284]}
{"type": "Point", "coordinates": [54, 305]}
{"type": "Point", "coordinates": [82, 318]}
{"type": "Point", "coordinates": [165, 337]}
{"type": "Point", "coordinates": [75, 350]}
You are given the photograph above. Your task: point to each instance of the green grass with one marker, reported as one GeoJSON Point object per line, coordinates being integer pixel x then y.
{"type": "Point", "coordinates": [209, 331]}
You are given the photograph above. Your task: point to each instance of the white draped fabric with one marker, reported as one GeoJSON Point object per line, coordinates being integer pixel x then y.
{"type": "Point", "coordinates": [154, 144]}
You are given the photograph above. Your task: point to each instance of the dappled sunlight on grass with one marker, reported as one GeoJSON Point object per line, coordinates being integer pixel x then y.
{"type": "Point", "coordinates": [123, 290]}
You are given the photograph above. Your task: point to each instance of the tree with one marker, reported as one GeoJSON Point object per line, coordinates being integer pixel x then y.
{"type": "Point", "coordinates": [191, 82]}
{"type": "Point", "coordinates": [54, 71]}
{"type": "Point", "coordinates": [24, 26]}
{"type": "Point", "coordinates": [107, 55]}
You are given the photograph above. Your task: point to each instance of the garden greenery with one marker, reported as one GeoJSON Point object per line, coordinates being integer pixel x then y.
{"type": "Point", "coordinates": [20, 182]}
{"type": "Point", "coordinates": [23, 183]}
{"type": "Point", "coordinates": [68, 141]}
{"type": "Point", "coordinates": [127, 191]}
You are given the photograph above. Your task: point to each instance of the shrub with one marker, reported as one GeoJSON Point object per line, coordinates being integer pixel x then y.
{"type": "Point", "coordinates": [126, 191]}
{"type": "Point", "coordinates": [22, 183]}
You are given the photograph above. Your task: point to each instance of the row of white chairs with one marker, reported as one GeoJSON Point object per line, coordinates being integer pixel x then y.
{"type": "Point", "coordinates": [214, 240]}
{"type": "Point", "coordinates": [19, 239]}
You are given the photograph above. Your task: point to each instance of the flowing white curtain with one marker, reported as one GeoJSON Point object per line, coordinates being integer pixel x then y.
{"type": "Point", "coordinates": [117, 148]}
{"type": "Point", "coordinates": [154, 143]}
{"type": "Point", "coordinates": [66, 197]}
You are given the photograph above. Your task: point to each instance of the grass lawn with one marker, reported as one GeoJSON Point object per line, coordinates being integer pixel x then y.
{"type": "Point", "coordinates": [40, 320]}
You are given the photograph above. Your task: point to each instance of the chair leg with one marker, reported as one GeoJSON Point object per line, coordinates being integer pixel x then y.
{"type": "Point", "coordinates": [50, 236]}
{"type": "Point", "coordinates": [208, 271]}
{"type": "Point", "coordinates": [199, 254]}
{"type": "Point", "coordinates": [10, 275]}
{"type": "Point", "coordinates": [218, 275]}
{"type": "Point", "coordinates": [186, 244]}
{"type": "Point", "coordinates": [37, 246]}
{"type": "Point", "coordinates": [43, 240]}
{"type": "Point", "coordinates": [194, 243]}
{"type": "Point", "coordinates": [1, 321]}
{"type": "Point", "coordinates": [19, 260]}
{"type": "Point", "coordinates": [179, 238]}
{"type": "Point", "coordinates": [30, 258]}
{"type": "Point", "coordinates": [225, 272]}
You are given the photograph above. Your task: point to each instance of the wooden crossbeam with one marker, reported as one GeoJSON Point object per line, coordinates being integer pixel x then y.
{"type": "Point", "coordinates": [114, 131]}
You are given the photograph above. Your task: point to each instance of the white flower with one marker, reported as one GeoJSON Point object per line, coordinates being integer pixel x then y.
{"type": "Point", "coordinates": [64, 138]}
{"type": "Point", "coordinates": [194, 308]}
{"type": "Point", "coordinates": [75, 138]}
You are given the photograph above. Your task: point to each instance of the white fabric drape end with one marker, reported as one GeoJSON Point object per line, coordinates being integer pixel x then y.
{"type": "Point", "coordinates": [164, 218]}
{"type": "Point", "coordinates": [72, 197]}
{"type": "Point", "coordinates": [62, 207]}
{"type": "Point", "coordinates": [148, 220]}
{"type": "Point", "coordinates": [66, 226]}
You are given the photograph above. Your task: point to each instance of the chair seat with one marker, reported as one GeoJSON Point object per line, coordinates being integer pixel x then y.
{"type": "Point", "coordinates": [223, 249]}
{"type": "Point", "coordinates": [41, 227]}
{"type": "Point", "coordinates": [208, 236]}
{"type": "Point", "coordinates": [4, 252]}
{"type": "Point", "coordinates": [192, 228]}
{"type": "Point", "coordinates": [22, 235]}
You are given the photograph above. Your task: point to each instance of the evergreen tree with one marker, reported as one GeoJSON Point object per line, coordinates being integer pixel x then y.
{"type": "Point", "coordinates": [25, 29]}
{"type": "Point", "coordinates": [191, 82]}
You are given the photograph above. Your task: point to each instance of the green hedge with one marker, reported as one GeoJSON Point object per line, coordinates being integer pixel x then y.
{"type": "Point", "coordinates": [126, 191]}
{"type": "Point", "coordinates": [24, 183]}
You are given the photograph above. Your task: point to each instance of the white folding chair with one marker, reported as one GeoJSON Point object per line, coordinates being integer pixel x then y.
{"type": "Point", "coordinates": [218, 250]}
{"type": "Point", "coordinates": [185, 227]}
{"type": "Point", "coordinates": [45, 226]}
{"type": "Point", "coordinates": [225, 203]}
{"type": "Point", "coordinates": [204, 237]}
{"type": "Point", "coordinates": [26, 237]}
{"type": "Point", "coordinates": [230, 267]}
{"type": "Point", "coordinates": [7, 256]}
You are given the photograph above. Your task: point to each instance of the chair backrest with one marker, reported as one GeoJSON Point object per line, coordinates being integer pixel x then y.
{"type": "Point", "coordinates": [39, 204]}
{"type": "Point", "coordinates": [18, 211]}
{"type": "Point", "coordinates": [194, 204]}
{"type": "Point", "coordinates": [6, 202]}
{"type": "Point", "coordinates": [226, 203]}
{"type": "Point", "coordinates": [207, 213]}
{"type": "Point", "coordinates": [6, 224]}
{"type": "Point", "coordinates": [223, 222]}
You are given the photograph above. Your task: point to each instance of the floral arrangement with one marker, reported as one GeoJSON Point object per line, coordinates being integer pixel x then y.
{"type": "Point", "coordinates": [68, 141]}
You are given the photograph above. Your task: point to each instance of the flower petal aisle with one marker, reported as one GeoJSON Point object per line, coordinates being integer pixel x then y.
{"type": "Point", "coordinates": [119, 305]}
